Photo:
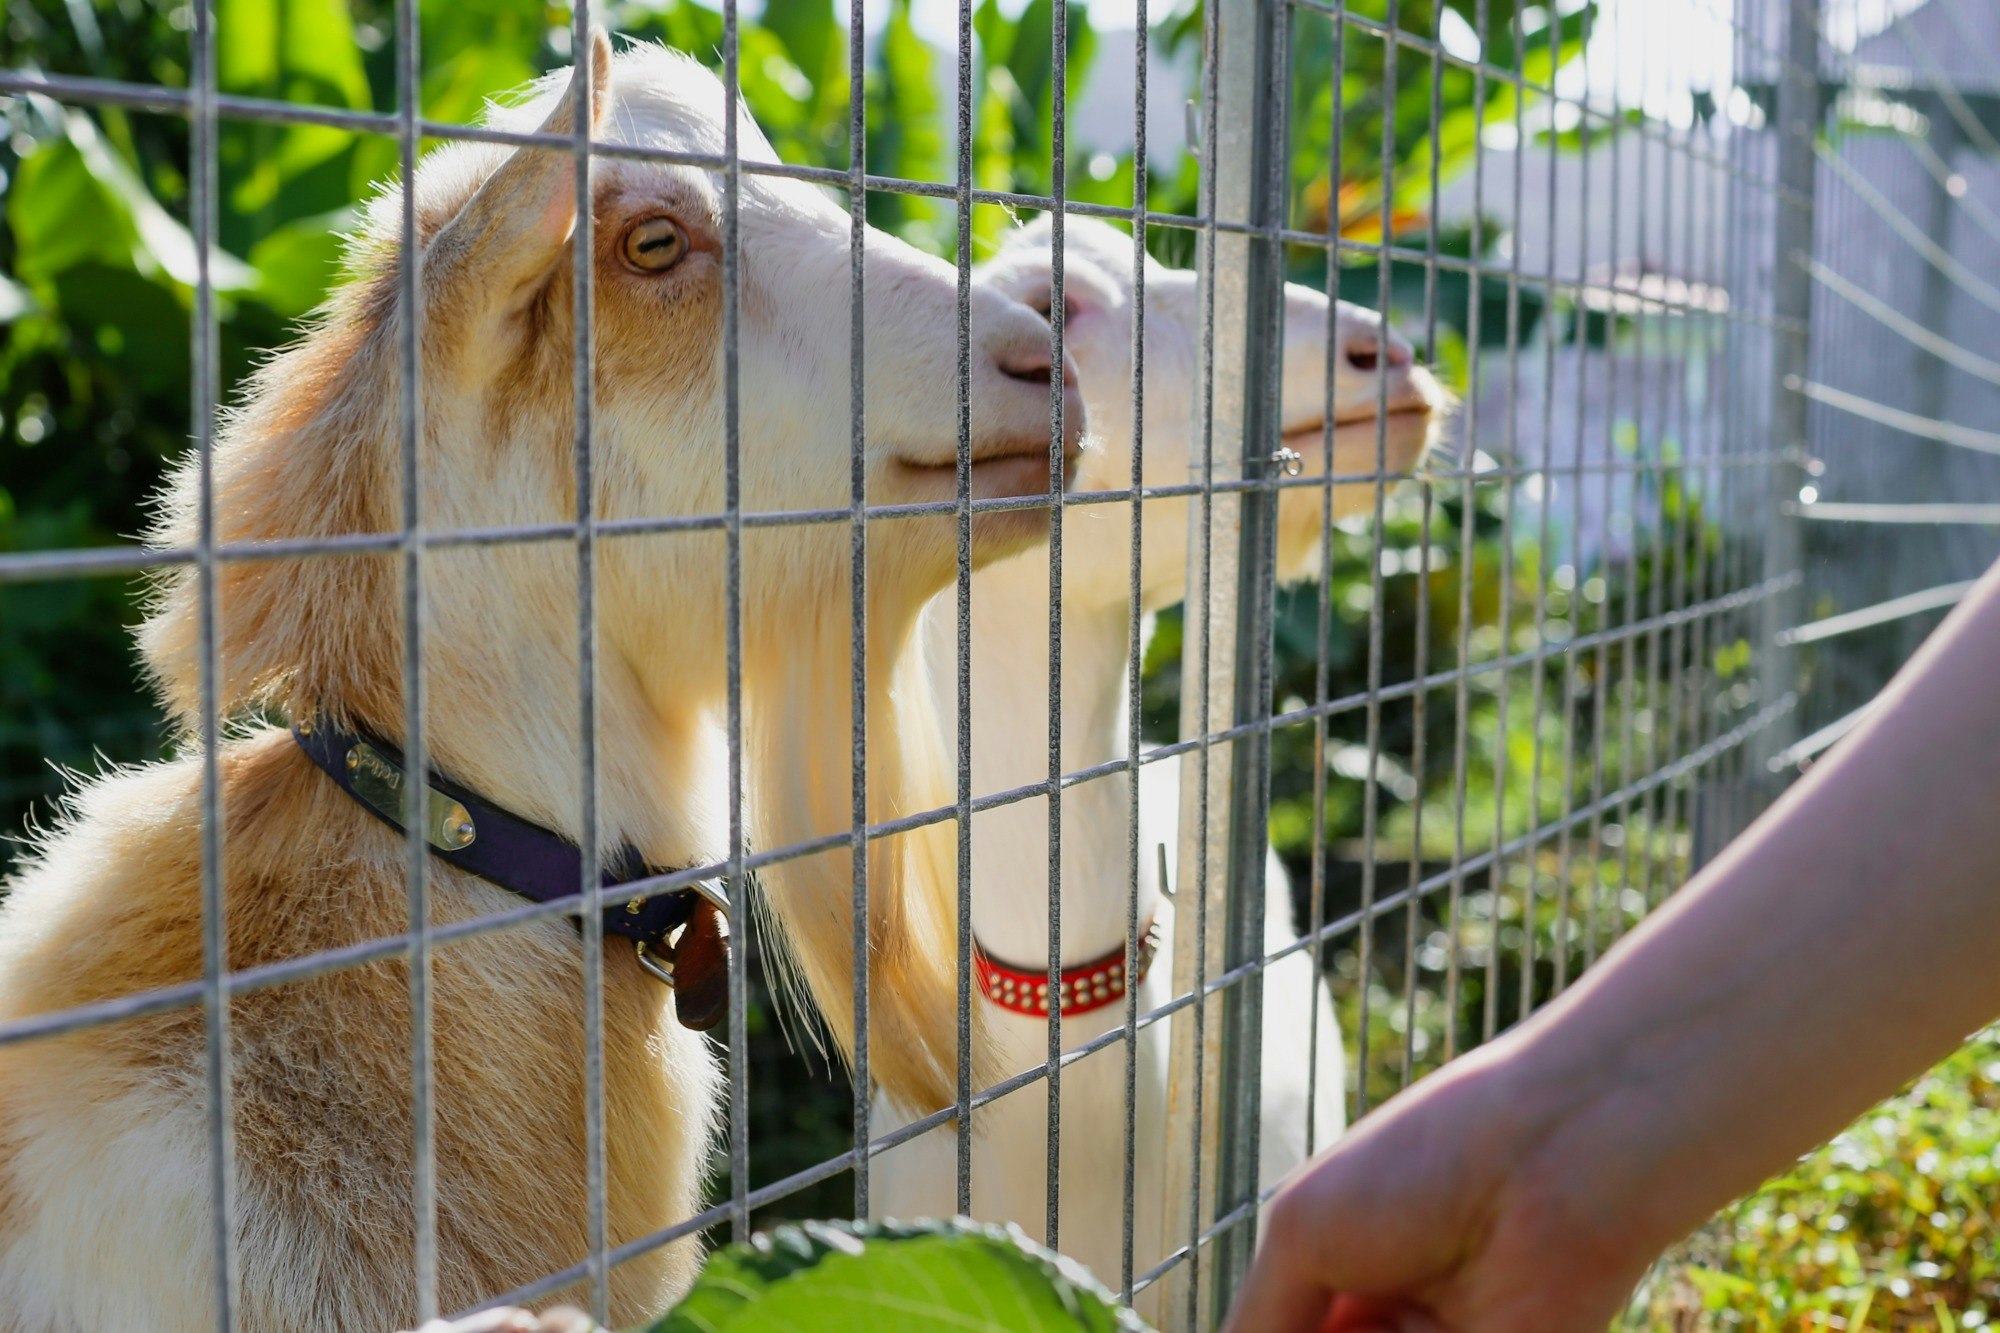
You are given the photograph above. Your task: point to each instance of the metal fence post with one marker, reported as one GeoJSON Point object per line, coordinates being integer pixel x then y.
{"type": "Point", "coordinates": [1267, 24]}
{"type": "Point", "coordinates": [1225, 792]}
{"type": "Point", "coordinates": [1800, 107]}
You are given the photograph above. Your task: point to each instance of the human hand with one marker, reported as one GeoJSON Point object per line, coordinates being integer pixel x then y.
{"type": "Point", "coordinates": [1527, 1186]}
{"type": "Point", "coordinates": [1457, 1208]}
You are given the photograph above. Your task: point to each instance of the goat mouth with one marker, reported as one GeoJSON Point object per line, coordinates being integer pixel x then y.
{"type": "Point", "coordinates": [1000, 475]}
{"type": "Point", "coordinates": [1359, 417]}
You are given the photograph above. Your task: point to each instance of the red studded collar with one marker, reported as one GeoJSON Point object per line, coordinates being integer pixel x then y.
{"type": "Point", "coordinates": [1085, 986]}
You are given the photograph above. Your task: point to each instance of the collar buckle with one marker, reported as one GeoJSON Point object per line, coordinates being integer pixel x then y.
{"type": "Point", "coordinates": [679, 935]}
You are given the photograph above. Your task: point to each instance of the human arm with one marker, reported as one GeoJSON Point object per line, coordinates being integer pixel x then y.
{"type": "Point", "coordinates": [1842, 945]}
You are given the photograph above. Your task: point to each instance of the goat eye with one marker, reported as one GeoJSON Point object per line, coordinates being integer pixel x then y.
{"type": "Point", "coordinates": [655, 245]}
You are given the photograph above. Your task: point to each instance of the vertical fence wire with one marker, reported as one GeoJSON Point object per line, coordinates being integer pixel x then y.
{"type": "Point", "coordinates": [732, 505]}
{"type": "Point", "coordinates": [857, 588]}
{"type": "Point", "coordinates": [1496, 890]}
{"type": "Point", "coordinates": [1799, 114]}
{"type": "Point", "coordinates": [1544, 480]}
{"type": "Point", "coordinates": [583, 387]}
{"type": "Point", "coordinates": [962, 587]}
{"type": "Point", "coordinates": [1371, 789]}
{"type": "Point", "coordinates": [1058, 313]}
{"type": "Point", "coordinates": [1202, 587]}
{"type": "Point", "coordinates": [1696, 499]}
{"type": "Point", "coordinates": [1323, 604]}
{"type": "Point", "coordinates": [1628, 672]}
{"type": "Point", "coordinates": [1468, 499]}
{"type": "Point", "coordinates": [1718, 490]}
{"type": "Point", "coordinates": [1135, 664]}
{"type": "Point", "coordinates": [1426, 500]}
{"type": "Point", "coordinates": [1676, 443]}
{"type": "Point", "coordinates": [1649, 520]}
{"type": "Point", "coordinates": [1574, 552]}
{"type": "Point", "coordinates": [1600, 696]}
{"type": "Point", "coordinates": [204, 392]}
{"type": "Point", "coordinates": [1257, 84]}
{"type": "Point", "coordinates": [416, 795]}
{"type": "Point", "coordinates": [1652, 478]}
{"type": "Point", "coordinates": [1677, 450]}
{"type": "Point", "coordinates": [1736, 354]}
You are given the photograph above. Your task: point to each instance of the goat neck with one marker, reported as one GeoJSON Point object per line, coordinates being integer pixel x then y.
{"type": "Point", "coordinates": [1010, 749]}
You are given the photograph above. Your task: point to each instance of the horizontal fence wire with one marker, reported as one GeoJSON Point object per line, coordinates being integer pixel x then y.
{"type": "Point", "coordinates": [1918, 514]}
{"type": "Point", "coordinates": [33, 566]}
{"type": "Point", "coordinates": [1544, 675]}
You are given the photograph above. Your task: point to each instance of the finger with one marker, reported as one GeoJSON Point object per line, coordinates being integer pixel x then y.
{"type": "Point", "coordinates": [1364, 1314]}
{"type": "Point", "coordinates": [1286, 1308]}
{"type": "Point", "coordinates": [1278, 1299]}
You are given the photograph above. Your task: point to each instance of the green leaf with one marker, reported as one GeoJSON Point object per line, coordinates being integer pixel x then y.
{"type": "Point", "coordinates": [459, 89]}
{"type": "Point", "coordinates": [1718, 1288]}
{"type": "Point", "coordinates": [62, 215]}
{"type": "Point", "coordinates": [301, 50]}
{"type": "Point", "coordinates": [906, 135]}
{"type": "Point", "coordinates": [809, 32]}
{"type": "Point", "coordinates": [891, 1277]}
{"type": "Point", "coordinates": [76, 201]}
{"type": "Point", "coordinates": [138, 324]}
{"type": "Point", "coordinates": [15, 300]}
{"type": "Point", "coordinates": [297, 263]}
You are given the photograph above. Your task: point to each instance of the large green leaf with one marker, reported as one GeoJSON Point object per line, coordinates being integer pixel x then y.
{"type": "Point", "coordinates": [812, 37]}
{"type": "Point", "coordinates": [75, 201]}
{"type": "Point", "coordinates": [301, 50]}
{"type": "Point", "coordinates": [894, 1278]}
{"type": "Point", "coordinates": [296, 51]}
{"type": "Point", "coordinates": [63, 215]}
{"type": "Point", "coordinates": [907, 133]}
{"type": "Point", "coordinates": [297, 263]}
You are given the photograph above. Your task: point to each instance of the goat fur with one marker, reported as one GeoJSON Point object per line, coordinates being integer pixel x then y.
{"type": "Point", "coordinates": [105, 1157]}
{"type": "Point", "coordinates": [1010, 724]}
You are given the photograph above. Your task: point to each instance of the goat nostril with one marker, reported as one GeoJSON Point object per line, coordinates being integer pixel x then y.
{"type": "Point", "coordinates": [1362, 350]}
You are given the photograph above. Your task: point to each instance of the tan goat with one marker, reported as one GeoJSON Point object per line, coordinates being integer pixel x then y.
{"type": "Point", "coordinates": [105, 1202]}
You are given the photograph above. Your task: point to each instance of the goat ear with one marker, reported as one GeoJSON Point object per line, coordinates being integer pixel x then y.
{"type": "Point", "coordinates": [508, 236]}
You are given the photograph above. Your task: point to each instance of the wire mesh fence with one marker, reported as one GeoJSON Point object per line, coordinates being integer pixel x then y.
{"type": "Point", "coordinates": [1285, 584]}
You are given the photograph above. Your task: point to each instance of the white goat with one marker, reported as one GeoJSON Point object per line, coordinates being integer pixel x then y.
{"type": "Point", "coordinates": [104, 1153]}
{"type": "Point", "coordinates": [1009, 640]}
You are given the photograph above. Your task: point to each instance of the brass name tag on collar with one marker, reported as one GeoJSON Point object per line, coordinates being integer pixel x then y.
{"type": "Point", "coordinates": [447, 825]}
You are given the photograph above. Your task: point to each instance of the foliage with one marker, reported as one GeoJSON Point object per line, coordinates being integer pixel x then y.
{"type": "Point", "coordinates": [1890, 1226]}
{"type": "Point", "coordinates": [894, 1276]}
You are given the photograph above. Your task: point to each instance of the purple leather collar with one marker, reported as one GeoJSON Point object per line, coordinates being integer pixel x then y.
{"type": "Point", "coordinates": [473, 834]}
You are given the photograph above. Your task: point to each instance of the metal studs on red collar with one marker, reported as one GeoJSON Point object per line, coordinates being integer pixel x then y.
{"type": "Point", "coordinates": [1084, 987]}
